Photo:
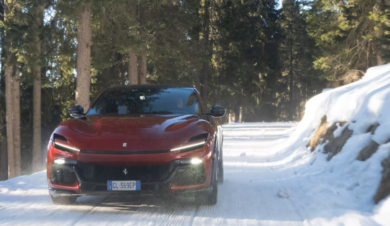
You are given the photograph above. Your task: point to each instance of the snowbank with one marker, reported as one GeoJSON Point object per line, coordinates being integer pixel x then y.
{"type": "Point", "coordinates": [360, 112]}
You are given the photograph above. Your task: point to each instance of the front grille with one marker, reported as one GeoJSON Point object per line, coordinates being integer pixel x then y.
{"type": "Point", "coordinates": [190, 175]}
{"type": "Point", "coordinates": [146, 174]}
{"type": "Point", "coordinates": [62, 175]}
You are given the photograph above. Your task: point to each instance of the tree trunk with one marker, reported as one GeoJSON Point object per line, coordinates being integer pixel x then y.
{"type": "Point", "coordinates": [237, 113]}
{"type": "Point", "coordinates": [8, 74]}
{"type": "Point", "coordinates": [37, 146]}
{"type": "Point", "coordinates": [142, 68]}
{"type": "Point", "coordinates": [3, 141]}
{"type": "Point", "coordinates": [3, 161]}
{"type": "Point", "coordinates": [16, 121]}
{"type": "Point", "coordinates": [84, 57]}
{"type": "Point", "coordinates": [9, 118]}
{"type": "Point", "coordinates": [379, 34]}
{"type": "Point", "coordinates": [240, 117]}
{"type": "Point", "coordinates": [37, 91]}
{"type": "Point", "coordinates": [194, 34]}
{"type": "Point", "coordinates": [133, 59]}
{"type": "Point", "coordinates": [206, 49]}
{"type": "Point", "coordinates": [291, 114]}
{"type": "Point", "coordinates": [142, 60]}
{"type": "Point", "coordinates": [133, 69]}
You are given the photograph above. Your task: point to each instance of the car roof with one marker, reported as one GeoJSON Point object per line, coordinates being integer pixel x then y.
{"type": "Point", "coordinates": [147, 86]}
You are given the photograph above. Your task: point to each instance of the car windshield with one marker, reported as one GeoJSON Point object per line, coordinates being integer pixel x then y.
{"type": "Point", "coordinates": [126, 101]}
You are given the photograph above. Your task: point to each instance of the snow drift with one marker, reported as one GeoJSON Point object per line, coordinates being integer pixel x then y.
{"type": "Point", "coordinates": [347, 133]}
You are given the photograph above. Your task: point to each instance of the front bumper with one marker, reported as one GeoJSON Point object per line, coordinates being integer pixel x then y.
{"type": "Point", "coordinates": [55, 192]}
{"type": "Point", "coordinates": [76, 178]}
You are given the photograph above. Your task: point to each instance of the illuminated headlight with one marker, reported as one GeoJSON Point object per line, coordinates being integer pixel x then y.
{"type": "Point", "coordinates": [196, 161]}
{"type": "Point", "coordinates": [64, 147]}
{"type": "Point", "coordinates": [193, 161]}
{"type": "Point", "coordinates": [190, 147]}
{"type": "Point", "coordinates": [59, 161]}
{"type": "Point", "coordinates": [63, 161]}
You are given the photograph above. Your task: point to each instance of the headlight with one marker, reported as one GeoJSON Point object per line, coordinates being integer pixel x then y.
{"type": "Point", "coordinates": [62, 161]}
{"type": "Point", "coordinates": [195, 142]}
{"type": "Point", "coordinates": [196, 161]}
{"type": "Point", "coordinates": [64, 147]}
{"type": "Point", "coordinates": [190, 147]}
{"type": "Point", "coordinates": [193, 161]}
{"type": "Point", "coordinates": [59, 161]}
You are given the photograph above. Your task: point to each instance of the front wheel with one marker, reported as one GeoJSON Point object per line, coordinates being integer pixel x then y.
{"type": "Point", "coordinates": [220, 175]}
{"type": "Point", "coordinates": [63, 200]}
{"type": "Point", "coordinates": [209, 198]}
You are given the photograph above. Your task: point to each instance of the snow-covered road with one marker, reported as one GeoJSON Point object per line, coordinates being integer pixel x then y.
{"type": "Point", "coordinates": [262, 187]}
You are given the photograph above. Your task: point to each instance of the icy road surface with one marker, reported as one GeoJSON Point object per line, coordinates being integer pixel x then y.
{"type": "Point", "coordinates": [257, 191]}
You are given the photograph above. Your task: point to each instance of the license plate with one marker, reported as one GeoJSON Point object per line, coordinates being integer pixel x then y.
{"type": "Point", "coordinates": [128, 185]}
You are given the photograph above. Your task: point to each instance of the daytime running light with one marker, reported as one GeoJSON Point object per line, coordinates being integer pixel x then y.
{"type": "Point", "coordinates": [66, 146]}
{"type": "Point", "coordinates": [189, 146]}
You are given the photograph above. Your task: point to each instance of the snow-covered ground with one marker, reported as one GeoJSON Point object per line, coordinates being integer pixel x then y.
{"type": "Point", "coordinates": [264, 185]}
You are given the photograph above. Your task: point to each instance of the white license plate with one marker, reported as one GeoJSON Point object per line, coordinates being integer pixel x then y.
{"type": "Point", "coordinates": [124, 185]}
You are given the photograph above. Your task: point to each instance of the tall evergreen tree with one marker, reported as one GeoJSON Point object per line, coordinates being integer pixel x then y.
{"type": "Point", "coordinates": [37, 25]}
{"type": "Point", "coordinates": [381, 15]}
{"type": "Point", "coordinates": [244, 35]}
{"type": "Point", "coordinates": [9, 42]}
{"type": "Point", "coordinates": [3, 141]}
{"type": "Point", "coordinates": [8, 88]}
{"type": "Point", "coordinates": [16, 120]}
{"type": "Point", "coordinates": [84, 55]}
{"type": "Point", "coordinates": [206, 49]}
{"type": "Point", "coordinates": [133, 59]}
{"type": "Point", "coordinates": [142, 58]}
{"type": "Point", "coordinates": [295, 53]}
{"type": "Point", "coordinates": [346, 35]}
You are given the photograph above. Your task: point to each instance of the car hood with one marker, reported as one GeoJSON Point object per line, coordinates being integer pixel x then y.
{"type": "Point", "coordinates": [127, 133]}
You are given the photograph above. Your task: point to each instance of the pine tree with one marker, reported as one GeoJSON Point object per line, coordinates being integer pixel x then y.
{"type": "Point", "coordinates": [142, 58]}
{"type": "Point", "coordinates": [295, 48]}
{"type": "Point", "coordinates": [206, 49]}
{"type": "Point", "coordinates": [133, 59]}
{"type": "Point", "coordinates": [3, 141]}
{"type": "Point", "coordinates": [16, 120]}
{"type": "Point", "coordinates": [37, 14]}
{"type": "Point", "coordinates": [84, 55]}
{"type": "Point", "coordinates": [9, 74]}
{"type": "Point", "coordinates": [381, 15]}
{"type": "Point", "coordinates": [346, 34]}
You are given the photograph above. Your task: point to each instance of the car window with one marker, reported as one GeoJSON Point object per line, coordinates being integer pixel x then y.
{"type": "Point", "coordinates": [127, 101]}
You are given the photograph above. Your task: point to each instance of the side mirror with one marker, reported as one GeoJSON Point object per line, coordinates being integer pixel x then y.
{"type": "Point", "coordinates": [217, 111]}
{"type": "Point", "coordinates": [76, 111]}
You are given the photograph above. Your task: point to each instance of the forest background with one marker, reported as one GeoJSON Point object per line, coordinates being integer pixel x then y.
{"type": "Point", "coordinates": [261, 59]}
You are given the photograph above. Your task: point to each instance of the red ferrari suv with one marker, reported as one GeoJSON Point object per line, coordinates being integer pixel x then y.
{"type": "Point", "coordinates": [138, 140]}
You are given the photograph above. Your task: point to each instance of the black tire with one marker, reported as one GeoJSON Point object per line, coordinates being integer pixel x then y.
{"type": "Point", "coordinates": [209, 198]}
{"type": "Point", "coordinates": [213, 196]}
{"type": "Point", "coordinates": [63, 200]}
{"type": "Point", "coordinates": [220, 176]}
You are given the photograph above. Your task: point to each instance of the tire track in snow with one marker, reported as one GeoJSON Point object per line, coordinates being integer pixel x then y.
{"type": "Point", "coordinates": [245, 200]}
{"type": "Point", "coordinates": [74, 222]}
